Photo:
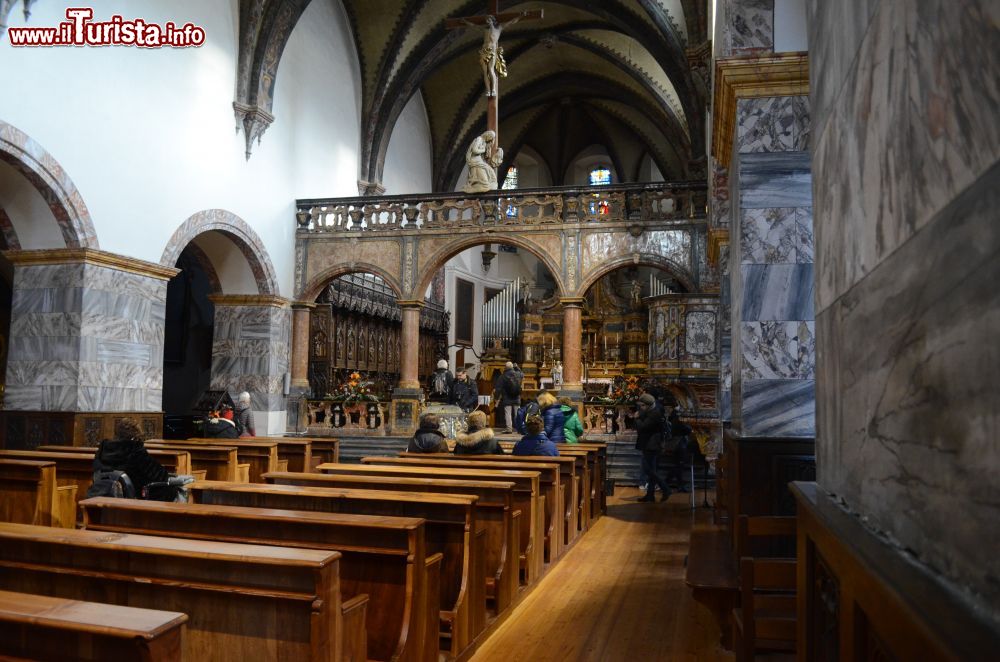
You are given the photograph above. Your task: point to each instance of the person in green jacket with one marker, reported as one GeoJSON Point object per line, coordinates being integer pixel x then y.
{"type": "Point", "coordinates": [572, 427]}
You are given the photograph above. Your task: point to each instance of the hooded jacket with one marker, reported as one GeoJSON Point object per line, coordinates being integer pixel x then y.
{"type": "Point", "coordinates": [465, 394]}
{"type": "Point", "coordinates": [572, 428]}
{"type": "Point", "coordinates": [220, 428]}
{"type": "Point", "coordinates": [477, 442]}
{"type": "Point", "coordinates": [427, 440]}
{"type": "Point", "coordinates": [132, 458]}
{"type": "Point", "coordinates": [535, 444]}
{"type": "Point", "coordinates": [554, 422]}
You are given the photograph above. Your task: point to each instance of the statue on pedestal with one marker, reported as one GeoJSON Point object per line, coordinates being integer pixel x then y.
{"type": "Point", "coordinates": [557, 374]}
{"type": "Point", "coordinates": [482, 163]}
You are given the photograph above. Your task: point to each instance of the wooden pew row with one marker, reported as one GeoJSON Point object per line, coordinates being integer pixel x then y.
{"type": "Point", "coordinates": [381, 557]}
{"type": "Point", "coordinates": [324, 450]}
{"type": "Point", "coordinates": [77, 468]}
{"type": "Point", "coordinates": [219, 462]}
{"type": "Point", "coordinates": [600, 492]}
{"type": "Point", "coordinates": [295, 451]}
{"type": "Point", "coordinates": [37, 627]}
{"type": "Point", "coordinates": [494, 511]}
{"type": "Point", "coordinates": [586, 461]}
{"type": "Point", "coordinates": [262, 456]}
{"type": "Point", "coordinates": [528, 499]}
{"type": "Point", "coordinates": [451, 529]}
{"type": "Point", "coordinates": [176, 461]}
{"type": "Point", "coordinates": [551, 483]}
{"type": "Point", "coordinates": [30, 494]}
{"type": "Point", "coordinates": [244, 602]}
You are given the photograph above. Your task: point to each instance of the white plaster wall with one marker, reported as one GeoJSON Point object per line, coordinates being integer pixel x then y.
{"type": "Point", "coordinates": [28, 212]}
{"type": "Point", "coordinates": [147, 135]}
{"type": "Point", "coordinates": [230, 265]}
{"type": "Point", "coordinates": [408, 159]}
{"type": "Point", "coordinates": [790, 26]}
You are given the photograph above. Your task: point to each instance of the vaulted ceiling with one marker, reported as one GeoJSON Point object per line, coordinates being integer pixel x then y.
{"type": "Point", "coordinates": [610, 72]}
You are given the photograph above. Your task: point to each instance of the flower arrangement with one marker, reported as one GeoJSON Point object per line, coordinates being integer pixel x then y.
{"type": "Point", "coordinates": [625, 390]}
{"type": "Point", "coordinates": [354, 390]}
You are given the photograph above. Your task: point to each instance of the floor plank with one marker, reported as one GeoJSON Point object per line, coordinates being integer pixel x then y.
{"type": "Point", "coordinates": [633, 604]}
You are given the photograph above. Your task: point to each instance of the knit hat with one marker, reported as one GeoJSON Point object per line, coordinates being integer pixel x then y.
{"type": "Point", "coordinates": [534, 424]}
{"type": "Point", "coordinates": [647, 399]}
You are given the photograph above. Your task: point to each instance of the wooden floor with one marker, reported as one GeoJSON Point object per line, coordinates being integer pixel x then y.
{"type": "Point", "coordinates": [633, 605]}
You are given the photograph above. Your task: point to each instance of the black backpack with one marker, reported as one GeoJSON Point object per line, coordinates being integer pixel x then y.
{"type": "Point", "coordinates": [111, 483]}
{"type": "Point", "coordinates": [440, 384]}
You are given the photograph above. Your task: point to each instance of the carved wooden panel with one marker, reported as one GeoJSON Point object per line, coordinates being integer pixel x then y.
{"type": "Point", "coordinates": [825, 611]}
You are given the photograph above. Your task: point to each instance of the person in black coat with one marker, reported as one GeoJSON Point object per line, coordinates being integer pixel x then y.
{"type": "Point", "coordinates": [649, 429]}
{"type": "Point", "coordinates": [478, 439]}
{"type": "Point", "coordinates": [128, 453]}
{"type": "Point", "coordinates": [680, 431]}
{"type": "Point", "coordinates": [428, 438]}
{"type": "Point", "coordinates": [440, 383]}
{"type": "Point", "coordinates": [509, 395]}
{"type": "Point", "coordinates": [464, 392]}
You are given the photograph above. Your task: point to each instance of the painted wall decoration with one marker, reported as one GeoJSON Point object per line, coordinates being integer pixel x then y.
{"type": "Point", "coordinates": [683, 334]}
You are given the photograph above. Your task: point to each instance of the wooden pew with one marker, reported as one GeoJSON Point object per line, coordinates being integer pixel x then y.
{"type": "Point", "coordinates": [600, 506]}
{"type": "Point", "coordinates": [494, 510]}
{"type": "Point", "coordinates": [552, 483]}
{"type": "Point", "coordinates": [585, 461]}
{"type": "Point", "coordinates": [37, 627]}
{"type": "Point", "coordinates": [175, 461]}
{"type": "Point", "coordinates": [381, 557]}
{"type": "Point", "coordinates": [29, 494]}
{"type": "Point", "coordinates": [451, 528]}
{"type": "Point", "coordinates": [712, 576]}
{"type": "Point", "coordinates": [262, 456]}
{"type": "Point", "coordinates": [296, 451]}
{"type": "Point", "coordinates": [324, 450]}
{"type": "Point", "coordinates": [219, 462]}
{"type": "Point", "coordinates": [244, 602]}
{"type": "Point", "coordinates": [528, 500]}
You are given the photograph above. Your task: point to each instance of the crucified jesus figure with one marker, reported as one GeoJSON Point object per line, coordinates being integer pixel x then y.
{"type": "Point", "coordinates": [491, 54]}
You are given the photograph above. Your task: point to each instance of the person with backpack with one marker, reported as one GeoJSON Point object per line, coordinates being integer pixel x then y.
{"type": "Point", "coordinates": [509, 392]}
{"type": "Point", "coordinates": [530, 408]}
{"type": "Point", "coordinates": [126, 455]}
{"type": "Point", "coordinates": [680, 448]}
{"type": "Point", "coordinates": [572, 427]}
{"type": "Point", "coordinates": [441, 383]}
{"type": "Point", "coordinates": [478, 439]}
{"type": "Point", "coordinates": [649, 426]}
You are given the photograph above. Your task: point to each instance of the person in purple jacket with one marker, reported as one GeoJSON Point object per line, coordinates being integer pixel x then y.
{"type": "Point", "coordinates": [535, 442]}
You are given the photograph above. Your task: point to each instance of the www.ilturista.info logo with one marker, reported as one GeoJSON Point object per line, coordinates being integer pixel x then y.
{"type": "Point", "coordinates": [81, 30]}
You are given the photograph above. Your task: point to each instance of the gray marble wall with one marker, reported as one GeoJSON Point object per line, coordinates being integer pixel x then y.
{"type": "Point", "coordinates": [251, 352]}
{"type": "Point", "coordinates": [85, 337]}
{"type": "Point", "coordinates": [773, 346]}
{"type": "Point", "coordinates": [907, 145]}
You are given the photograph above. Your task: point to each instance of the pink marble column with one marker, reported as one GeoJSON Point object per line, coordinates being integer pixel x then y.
{"type": "Point", "coordinates": [410, 342]}
{"type": "Point", "coordinates": [300, 344]}
{"type": "Point", "coordinates": [571, 332]}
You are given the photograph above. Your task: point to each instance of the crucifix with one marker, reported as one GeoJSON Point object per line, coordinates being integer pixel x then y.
{"type": "Point", "coordinates": [491, 55]}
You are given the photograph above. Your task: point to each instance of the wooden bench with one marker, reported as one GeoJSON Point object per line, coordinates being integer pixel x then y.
{"type": "Point", "coordinates": [37, 627]}
{"type": "Point", "coordinates": [262, 456]}
{"type": "Point", "coordinates": [527, 499]}
{"type": "Point", "coordinates": [599, 475]}
{"type": "Point", "coordinates": [712, 576]}
{"type": "Point", "coordinates": [324, 450]}
{"type": "Point", "coordinates": [219, 462]}
{"type": "Point", "coordinates": [451, 529]}
{"type": "Point", "coordinates": [551, 483]}
{"type": "Point", "coordinates": [494, 511]}
{"type": "Point", "coordinates": [295, 451]}
{"type": "Point", "coordinates": [244, 602]}
{"type": "Point", "coordinates": [175, 461]}
{"type": "Point", "coordinates": [765, 619]}
{"type": "Point", "coordinates": [381, 557]}
{"type": "Point", "coordinates": [29, 494]}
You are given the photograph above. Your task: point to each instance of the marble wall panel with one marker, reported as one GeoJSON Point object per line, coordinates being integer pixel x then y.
{"type": "Point", "coordinates": [910, 412]}
{"type": "Point", "coordinates": [777, 292]}
{"type": "Point", "coordinates": [768, 236]}
{"type": "Point", "coordinates": [778, 350]}
{"type": "Point", "coordinates": [719, 207]}
{"type": "Point", "coordinates": [778, 407]}
{"type": "Point", "coordinates": [772, 124]}
{"type": "Point", "coordinates": [913, 125]}
{"type": "Point", "coordinates": [750, 26]}
{"type": "Point", "coordinates": [780, 179]}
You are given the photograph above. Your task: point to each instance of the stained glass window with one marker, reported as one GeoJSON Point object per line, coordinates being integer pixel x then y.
{"type": "Point", "coordinates": [510, 181]}
{"type": "Point", "coordinates": [600, 176]}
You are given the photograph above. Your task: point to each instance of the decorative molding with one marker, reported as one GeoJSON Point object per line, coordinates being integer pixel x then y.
{"type": "Point", "coordinates": [783, 75]}
{"type": "Point", "coordinates": [370, 188]}
{"type": "Point", "coordinates": [575, 302]}
{"type": "Point", "coordinates": [716, 238]}
{"type": "Point", "coordinates": [263, 300]}
{"type": "Point", "coordinates": [411, 303]}
{"type": "Point", "coordinates": [91, 256]}
{"type": "Point", "coordinates": [254, 122]}
{"type": "Point", "coordinates": [303, 305]}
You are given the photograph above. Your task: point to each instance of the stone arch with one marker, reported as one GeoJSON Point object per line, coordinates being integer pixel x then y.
{"type": "Point", "coordinates": [604, 268]}
{"type": "Point", "coordinates": [238, 231]}
{"type": "Point", "coordinates": [450, 250]}
{"type": "Point", "coordinates": [315, 286]}
{"type": "Point", "coordinates": [53, 183]}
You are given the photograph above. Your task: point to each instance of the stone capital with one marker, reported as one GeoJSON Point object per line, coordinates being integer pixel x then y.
{"type": "Point", "coordinates": [410, 303]}
{"type": "Point", "coordinates": [572, 302]}
{"type": "Point", "coordinates": [303, 305]}
{"type": "Point", "coordinates": [90, 256]}
{"type": "Point", "coordinates": [260, 300]}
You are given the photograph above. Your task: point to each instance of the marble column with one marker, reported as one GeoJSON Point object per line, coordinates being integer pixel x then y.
{"type": "Point", "coordinates": [250, 352]}
{"type": "Point", "coordinates": [406, 396]}
{"type": "Point", "coordinates": [296, 405]}
{"type": "Point", "coordinates": [86, 332]}
{"type": "Point", "coordinates": [572, 332]}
